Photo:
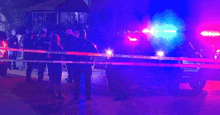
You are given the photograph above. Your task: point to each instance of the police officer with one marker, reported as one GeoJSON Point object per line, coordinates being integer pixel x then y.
{"type": "Point", "coordinates": [42, 43]}
{"type": "Point", "coordinates": [29, 43]}
{"type": "Point", "coordinates": [69, 44]}
{"type": "Point", "coordinates": [13, 43]}
{"type": "Point", "coordinates": [83, 45]}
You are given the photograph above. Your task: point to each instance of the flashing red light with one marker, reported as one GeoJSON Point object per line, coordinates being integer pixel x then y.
{"type": "Point", "coordinates": [132, 39]}
{"type": "Point", "coordinates": [5, 45]}
{"type": "Point", "coordinates": [210, 34]}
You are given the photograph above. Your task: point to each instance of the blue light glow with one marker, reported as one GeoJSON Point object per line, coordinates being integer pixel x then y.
{"type": "Point", "coordinates": [166, 31]}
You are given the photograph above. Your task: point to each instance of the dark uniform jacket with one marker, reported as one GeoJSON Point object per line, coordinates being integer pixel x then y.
{"type": "Point", "coordinates": [71, 46]}
{"type": "Point", "coordinates": [13, 42]}
{"type": "Point", "coordinates": [84, 45]}
{"type": "Point", "coordinates": [43, 44]}
{"type": "Point", "coordinates": [28, 43]}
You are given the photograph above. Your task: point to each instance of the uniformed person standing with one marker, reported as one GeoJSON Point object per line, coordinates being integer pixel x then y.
{"type": "Point", "coordinates": [83, 45]}
{"type": "Point", "coordinates": [42, 44]}
{"type": "Point", "coordinates": [69, 44]}
{"type": "Point", "coordinates": [29, 43]}
{"type": "Point", "coordinates": [13, 43]}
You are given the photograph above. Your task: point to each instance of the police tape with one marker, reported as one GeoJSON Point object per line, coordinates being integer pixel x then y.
{"type": "Point", "coordinates": [178, 65]}
{"type": "Point", "coordinates": [119, 55]}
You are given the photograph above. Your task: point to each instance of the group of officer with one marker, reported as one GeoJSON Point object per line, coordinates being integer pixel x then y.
{"type": "Point", "coordinates": [73, 41]}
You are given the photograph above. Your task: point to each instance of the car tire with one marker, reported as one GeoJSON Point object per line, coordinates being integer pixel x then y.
{"type": "Point", "coordinates": [197, 84]}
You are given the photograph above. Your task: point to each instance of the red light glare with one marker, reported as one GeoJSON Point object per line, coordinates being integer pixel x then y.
{"type": "Point", "coordinates": [132, 39]}
{"type": "Point", "coordinates": [5, 45]}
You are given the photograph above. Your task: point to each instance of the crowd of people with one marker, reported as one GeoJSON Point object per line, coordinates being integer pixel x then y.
{"type": "Point", "coordinates": [52, 41]}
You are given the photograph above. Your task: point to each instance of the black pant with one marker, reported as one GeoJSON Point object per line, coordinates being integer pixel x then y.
{"type": "Point", "coordinates": [87, 73]}
{"type": "Point", "coordinates": [70, 77]}
{"type": "Point", "coordinates": [55, 72]}
{"type": "Point", "coordinates": [30, 67]}
{"type": "Point", "coordinates": [50, 67]}
{"type": "Point", "coordinates": [13, 56]}
{"type": "Point", "coordinates": [41, 69]}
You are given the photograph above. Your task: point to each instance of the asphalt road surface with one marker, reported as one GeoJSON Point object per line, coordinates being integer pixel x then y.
{"type": "Point", "coordinates": [20, 97]}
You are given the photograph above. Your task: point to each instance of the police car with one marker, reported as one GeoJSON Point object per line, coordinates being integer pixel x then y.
{"type": "Point", "coordinates": [140, 60]}
{"type": "Point", "coordinates": [3, 53]}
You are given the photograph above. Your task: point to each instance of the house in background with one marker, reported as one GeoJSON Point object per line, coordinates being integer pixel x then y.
{"type": "Point", "coordinates": [55, 12]}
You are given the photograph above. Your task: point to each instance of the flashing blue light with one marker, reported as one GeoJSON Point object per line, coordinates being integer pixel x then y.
{"type": "Point", "coordinates": [167, 31]}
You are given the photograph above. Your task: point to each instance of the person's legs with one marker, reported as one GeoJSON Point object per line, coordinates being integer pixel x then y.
{"type": "Point", "coordinates": [41, 69]}
{"type": "Point", "coordinates": [14, 65]}
{"type": "Point", "coordinates": [58, 79]}
{"type": "Point", "coordinates": [52, 80]}
{"type": "Point", "coordinates": [11, 58]}
{"type": "Point", "coordinates": [87, 72]}
{"type": "Point", "coordinates": [29, 71]}
{"type": "Point", "coordinates": [23, 63]}
{"type": "Point", "coordinates": [70, 77]}
{"type": "Point", "coordinates": [14, 57]}
{"type": "Point", "coordinates": [77, 79]}
{"type": "Point", "coordinates": [50, 71]}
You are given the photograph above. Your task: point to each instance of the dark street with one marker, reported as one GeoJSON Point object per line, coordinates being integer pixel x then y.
{"type": "Point", "coordinates": [21, 97]}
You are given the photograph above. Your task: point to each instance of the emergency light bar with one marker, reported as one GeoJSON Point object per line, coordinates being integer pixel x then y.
{"type": "Point", "coordinates": [152, 31]}
{"type": "Point", "coordinates": [132, 39]}
{"type": "Point", "coordinates": [210, 34]}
